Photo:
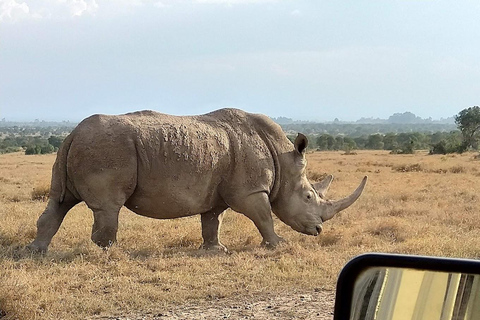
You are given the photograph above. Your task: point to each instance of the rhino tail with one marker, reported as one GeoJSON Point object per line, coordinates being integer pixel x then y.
{"type": "Point", "coordinates": [59, 176]}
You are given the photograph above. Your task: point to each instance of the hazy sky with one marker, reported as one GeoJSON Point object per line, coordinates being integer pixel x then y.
{"type": "Point", "coordinates": [310, 60]}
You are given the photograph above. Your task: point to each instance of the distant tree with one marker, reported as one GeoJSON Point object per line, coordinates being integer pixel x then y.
{"type": "Point", "coordinates": [409, 148]}
{"type": "Point", "coordinates": [450, 143]}
{"type": "Point", "coordinates": [437, 137]}
{"type": "Point", "coordinates": [441, 147]}
{"type": "Point", "coordinates": [339, 142]}
{"type": "Point", "coordinates": [55, 141]}
{"type": "Point", "coordinates": [468, 122]}
{"type": "Point", "coordinates": [30, 150]}
{"type": "Point", "coordinates": [406, 117]}
{"type": "Point", "coordinates": [331, 142]}
{"type": "Point", "coordinates": [390, 141]}
{"type": "Point", "coordinates": [325, 142]}
{"type": "Point", "coordinates": [349, 143]}
{"type": "Point", "coordinates": [322, 142]}
{"type": "Point", "coordinates": [416, 141]}
{"type": "Point", "coordinates": [375, 141]}
{"type": "Point", "coordinates": [282, 120]}
{"type": "Point", "coordinates": [403, 138]}
{"type": "Point", "coordinates": [361, 141]}
{"type": "Point", "coordinates": [48, 148]}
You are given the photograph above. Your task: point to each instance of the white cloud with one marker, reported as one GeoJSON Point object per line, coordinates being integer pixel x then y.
{"type": "Point", "coordinates": [62, 9]}
{"type": "Point", "coordinates": [11, 10]}
{"type": "Point", "coordinates": [127, 3]}
{"type": "Point", "coordinates": [14, 10]}
{"type": "Point", "coordinates": [79, 7]}
{"type": "Point", "coordinates": [73, 8]}
{"type": "Point", "coordinates": [296, 12]}
{"type": "Point", "coordinates": [160, 4]}
{"type": "Point", "coordinates": [232, 2]}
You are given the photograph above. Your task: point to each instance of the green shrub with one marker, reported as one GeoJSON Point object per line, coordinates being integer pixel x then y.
{"type": "Point", "coordinates": [444, 147]}
{"type": "Point", "coordinates": [39, 149]}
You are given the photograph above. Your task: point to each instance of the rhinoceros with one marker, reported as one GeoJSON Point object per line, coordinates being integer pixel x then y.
{"type": "Point", "coordinates": [163, 166]}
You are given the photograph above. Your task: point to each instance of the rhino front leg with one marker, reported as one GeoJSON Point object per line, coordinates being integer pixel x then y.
{"type": "Point", "coordinates": [211, 223]}
{"type": "Point", "coordinates": [257, 208]}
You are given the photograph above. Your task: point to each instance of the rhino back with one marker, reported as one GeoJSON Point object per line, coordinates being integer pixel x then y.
{"type": "Point", "coordinates": [181, 163]}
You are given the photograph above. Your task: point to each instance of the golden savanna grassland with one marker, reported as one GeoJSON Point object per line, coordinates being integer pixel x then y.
{"type": "Point", "coordinates": [416, 204]}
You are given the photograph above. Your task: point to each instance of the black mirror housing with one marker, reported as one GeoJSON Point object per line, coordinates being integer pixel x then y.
{"type": "Point", "coordinates": [362, 287]}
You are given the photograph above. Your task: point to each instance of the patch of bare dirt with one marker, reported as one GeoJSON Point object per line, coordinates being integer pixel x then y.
{"type": "Point", "coordinates": [317, 304]}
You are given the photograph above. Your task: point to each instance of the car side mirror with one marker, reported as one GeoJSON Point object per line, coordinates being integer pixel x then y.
{"type": "Point", "coordinates": [403, 287]}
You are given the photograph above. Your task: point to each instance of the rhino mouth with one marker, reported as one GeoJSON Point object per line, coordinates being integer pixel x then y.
{"type": "Point", "coordinates": [314, 231]}
{"type": "Point", "coordinates": [310, 230]}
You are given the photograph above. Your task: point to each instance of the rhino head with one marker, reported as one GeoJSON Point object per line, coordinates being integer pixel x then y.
{"type": "Point", "coordinates": [300, 204]}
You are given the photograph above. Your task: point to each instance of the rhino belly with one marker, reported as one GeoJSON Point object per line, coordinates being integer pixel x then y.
{"type": "Point", "coordinates": [173, 200]}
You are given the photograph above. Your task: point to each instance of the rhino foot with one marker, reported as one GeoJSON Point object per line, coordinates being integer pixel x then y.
{"type": "Point", "coordinates": [105, 244]}
{"type": "Point", "coordinates": [220, 248]}
{"type": "Point", "coordinates": [36, 248]}
{"type": "Point", "coordinates": [273, 243]}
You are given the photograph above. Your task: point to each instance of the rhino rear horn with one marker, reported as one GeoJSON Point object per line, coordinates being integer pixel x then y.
{"type": "Point", "coordinates": [339, 205]}
{"type": "Point", "coordinates": [322, 186]}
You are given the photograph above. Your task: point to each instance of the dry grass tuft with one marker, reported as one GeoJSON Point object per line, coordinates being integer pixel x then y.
{"type": "Point", "coordinates": [41, 192]}
{"type": "Point", "coordinates": [329, 239]}
{"type": "Point", "coordinates": [349, 153]}
{"type": "Point", "coordinates": [388, 230]}
{"type": "Point", "coordinates": [457, 169]}
{"type": "Point", "coordinates": [416, 167]}
{"type": "Point", "coordinates": [397, 212]}
{"type": "Point", "coordinates": [316, 176]}
{"type": "Point", "coordinates": [409, 208]}
{"type": "Point", "coordinates": [15, 198]}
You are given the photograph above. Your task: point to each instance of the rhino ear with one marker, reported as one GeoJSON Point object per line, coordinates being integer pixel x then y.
{"type": "Point", "coordinates": [301, 143]}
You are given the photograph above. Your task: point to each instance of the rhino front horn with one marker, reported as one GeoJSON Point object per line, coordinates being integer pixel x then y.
{"type": "Point", "coordinates": [339, 205]}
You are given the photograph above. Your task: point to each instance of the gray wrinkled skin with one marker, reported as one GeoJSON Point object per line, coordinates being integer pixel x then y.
{"type": "Point", "coordinates": [164, 167]}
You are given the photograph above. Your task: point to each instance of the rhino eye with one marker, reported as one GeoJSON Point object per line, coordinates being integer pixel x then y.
{"type": "Point", "coordinates": [309, 195]}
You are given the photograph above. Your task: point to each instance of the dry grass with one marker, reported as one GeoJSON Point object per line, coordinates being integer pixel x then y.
{"type": "Point", "coordinates": [432, 211]}
{"type": "Point", "coordinates": [41, 192]}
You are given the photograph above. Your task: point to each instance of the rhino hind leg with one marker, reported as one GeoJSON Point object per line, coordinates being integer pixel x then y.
{"type": "Point", "coordinates": [105, 226]}
{"type": "Point", "coordinates": [50, 220]}
{"type": "Point", "coordinates": [211, 223]}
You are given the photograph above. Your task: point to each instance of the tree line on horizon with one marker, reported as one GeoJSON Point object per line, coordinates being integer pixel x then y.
{"type": "Point", "coordinates": [347, 137]}
{"type": "Point", "coordinates": [396, 118]}
{"type": "Point", "coordinates": [31, 139]}
{"type": "Point", "coordinates": [397, 143]}
{"type": "Point", "coordinates": [465, 137]}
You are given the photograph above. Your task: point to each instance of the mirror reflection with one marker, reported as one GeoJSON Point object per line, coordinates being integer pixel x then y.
{"type": "Point", "coordinates": [403, 294]}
